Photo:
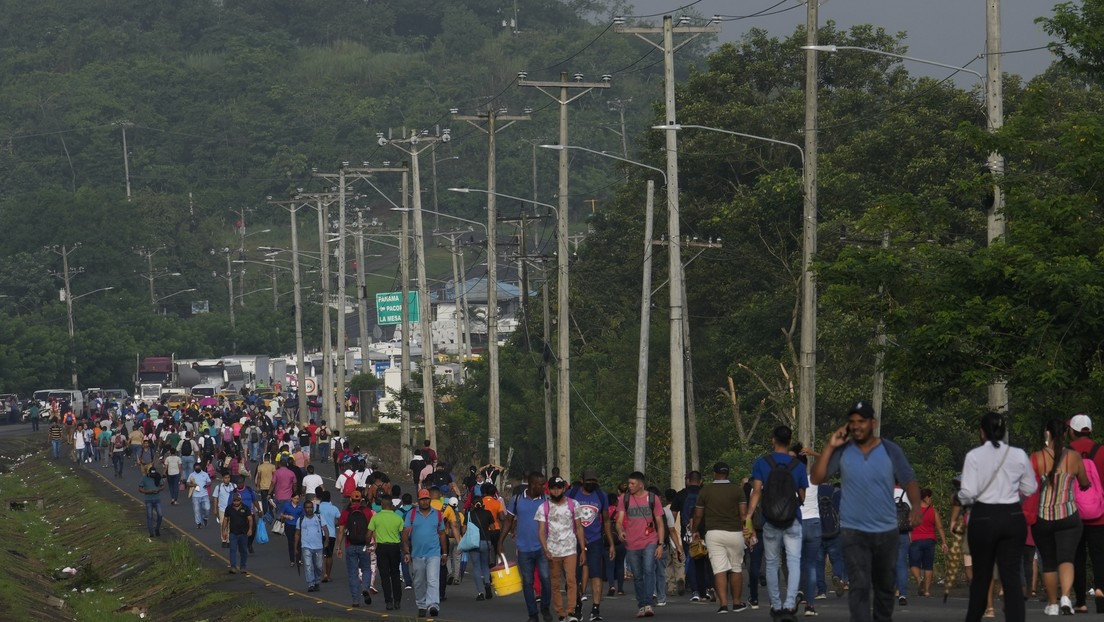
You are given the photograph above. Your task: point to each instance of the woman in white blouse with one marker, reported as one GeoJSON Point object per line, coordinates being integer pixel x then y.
{"type": "Point", "coordinates": [994, 477]}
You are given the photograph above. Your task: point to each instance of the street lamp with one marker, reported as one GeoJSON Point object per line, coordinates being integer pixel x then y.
{"type": "Point", "coordinates": [436, 208]}
{"type": "Point", "coordinates": [183, 291]}
{"type": "Point", "coordinates": [72, 329]}
{"type": "Point", "coordinates": [806, 411]}
{"type": "Point", "coordinates": [677, 392]}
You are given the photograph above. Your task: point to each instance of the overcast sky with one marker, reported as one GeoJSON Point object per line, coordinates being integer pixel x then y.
{"type": "Point", "coordinates": [947, 31]}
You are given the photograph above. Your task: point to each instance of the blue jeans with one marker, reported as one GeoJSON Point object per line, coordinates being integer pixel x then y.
{"type": "Point", "coordinates": [239, 550]}
{"type": "Point", "coordinates": [117, 458]}
{"type": "Point", "coordinates": [153, 508]}
{"type": "Point", "coordinates": [774, 541]}
{"type": "Point", "coordinates": [661, 578]}
{"type": "Point", "coordinates": [357, 557]}
{"type": "Point", "coordinates": [427, 576]}
{"type": "Point", "coordinates": [903, 542]}
{"type": "Point", "coordinates": [312, 564]}
{"type": "Point", "coordinates": [174, 487]}
{"type": "Point", "coordinates": [871, 559]}
{"type": "Point", "coordinates": [55, 448]}
{"type": "Point", "coordinates": [832, 549]}
{"type": "Point", "coordinates": [642, 562]}
{"type": "Point", "coordinates": [615, 572]}
{"type": "Point", "coordinates": [755, 567]}
{"type": "Point", "coordinates": [187, 463]}
{"type": "Point", "coordinates": [478, 560]}
{"type": "Point", "coordinates": [527, 562]}
{"type": "Point", "coordinates": [201, 506]}
{"type": "Point", "coordinates": [323, 452]}
{"type": "Point", "coordinates": [810, 554]}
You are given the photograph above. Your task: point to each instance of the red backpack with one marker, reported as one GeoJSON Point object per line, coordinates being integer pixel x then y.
{"type": "Point", "coordinates": [348, 487]}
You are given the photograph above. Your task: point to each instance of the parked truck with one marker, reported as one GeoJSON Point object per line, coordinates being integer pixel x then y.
{"type": "Point", "coordinates": [155, 374]}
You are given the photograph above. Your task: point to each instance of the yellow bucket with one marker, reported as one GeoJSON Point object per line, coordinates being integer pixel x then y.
{"type": "Point", "coordinates": [505, 579]}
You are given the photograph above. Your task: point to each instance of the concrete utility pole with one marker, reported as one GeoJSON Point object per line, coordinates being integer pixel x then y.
{"type": "Point", "coordinates": [325, 390]}
{"type": "Point", "coordinates": [362, 293]}
{"type": "Point", "coordinates": [123, 125]}
{"type": "Point", "coordinates": [994, 108]}
{"type": "Point", "coordinates": [404, 273]}
{"type": "Point", "coordinates": [674, 255]}
{"type": "Point", "coordinates": [806, 407]}
{"type": "Point", "coordinates": [563, 386]}
{"type": "Point", "coordinates": [460, 314]}
{"type": "Point", "coordinates": [417, 144]}
{"type": "Point", "coordinates": [645, 335]}
{"type": "Point", "coordinates": [618, 106]}
{"type": "Point", "coordinates": [300, 357]}
{"type": "Point", "coordinates": [67, 292]}
{"type": "Point", "coordinates": [486, 122]}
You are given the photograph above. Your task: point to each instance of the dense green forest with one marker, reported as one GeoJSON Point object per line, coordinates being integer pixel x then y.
{"type": "Point", "coordinates": [227, 103]}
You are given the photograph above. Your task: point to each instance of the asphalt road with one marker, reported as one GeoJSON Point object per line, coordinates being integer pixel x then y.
{"type": "Point", "coordinates": [279, 585]}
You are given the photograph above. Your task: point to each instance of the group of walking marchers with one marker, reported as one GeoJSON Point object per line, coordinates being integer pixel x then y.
{"type": "Point", "coordinates": [858, 511]}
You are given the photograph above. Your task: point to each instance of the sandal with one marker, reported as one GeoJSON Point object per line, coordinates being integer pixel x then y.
{"type": "Point", "coordinates": [990, 613]}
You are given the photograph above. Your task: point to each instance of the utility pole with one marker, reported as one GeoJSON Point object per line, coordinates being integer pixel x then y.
{"type": "Point", "coordinates": [674, 255]}
{"type": "Point", "coordinates": [123, 125]}
{"type": "Point", "coordinates": [65, 274]}
{"type": "Point", "coordinates": [994, 107]}
{"type": "Point", "coordinates": [460, 314]}
{"type": "Point", "coordinates": [806, 411]}
{"type": "Point", "coordinates": [563, 386]}
{"type": "Point", "coordinates": [486, 123]}
{"type": "Point", "coordinates": [150, 274]}
{"type": "Point", "coordinates": [645, 336]}
{"type": "Point", "coordinates": [549, 440]}
{"type": "Point", "coordinates": [404, 272]}
{"type": "Point", "coordinates": [325, 389]}
{"type": "Point", "coordinates": [362, 292]}
{"type": "Point", "coordinates": [300, 358]}
{"type": "Point", "coordinates": [417, 144]}
{"type": "Point", "coordinates": [618, 106]}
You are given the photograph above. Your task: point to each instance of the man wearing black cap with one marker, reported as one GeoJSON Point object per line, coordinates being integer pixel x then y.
{"type": "Point", "coordinates": [721, 507]}
{"type": "Point", "coordinates": [868, 467]}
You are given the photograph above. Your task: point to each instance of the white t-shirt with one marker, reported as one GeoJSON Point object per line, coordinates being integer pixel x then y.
{"type": "Point", "coordinates": [810, 508]}
{"type": "Point", "coordinates": [311, 482]}
{"type": "Point", "coordinates": [561, 529]}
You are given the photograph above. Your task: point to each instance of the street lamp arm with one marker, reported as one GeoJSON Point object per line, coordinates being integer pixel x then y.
{"type": "Point", "coordinates": [429, 211]}
{"type": "Point", "coordinates": [924, 61]}
{"type": "Point", "coordinates": [680, 126]}
{"type": "Point", "coordinates": [183, 291]}
{"type": "Point", "coordinates": [505, 196]}
{"type": "Point", "coordinates": [609, 155]}
{"type": "Point", "coordinates": [95, 291]}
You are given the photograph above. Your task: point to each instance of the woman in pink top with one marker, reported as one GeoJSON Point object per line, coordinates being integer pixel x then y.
{"type": "Point", "coordinates": [922, 547]}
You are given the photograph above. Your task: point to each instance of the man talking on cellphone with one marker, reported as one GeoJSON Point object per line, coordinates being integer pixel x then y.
{"type": "Point", "coordinates": [868, 467]}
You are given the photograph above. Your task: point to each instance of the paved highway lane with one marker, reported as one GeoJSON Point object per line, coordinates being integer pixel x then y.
{"type": "Point", "coordinates": [278, 584]}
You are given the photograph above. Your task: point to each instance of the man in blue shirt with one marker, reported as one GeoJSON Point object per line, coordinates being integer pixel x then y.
{"type": "Point", "coordinates": [329, 513]}
{"type": "Point", "coordinates": [779, 532]}
{"type": "Point", "coordinates": [593, 510]}
{"type": "Point", "coordinates": [521, 519]}
{"type": "Point", "coordinates": [868, 467]}
{"type": "Point", "coordinates": [310, 537]}
{"type": "Point", "coordinates": [423, 543]}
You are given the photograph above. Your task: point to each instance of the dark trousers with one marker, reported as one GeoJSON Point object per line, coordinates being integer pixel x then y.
{"type": "Point", "coordinates": [289, 532]}
{"type": "Point", "coordinates": [388, 557]}
{"type": "Point", "coordinates": [1092, 543]}
{"type": "Point", "coordinates": [996, 535]}
{"type": "Point", "coordinates": [871, 560]}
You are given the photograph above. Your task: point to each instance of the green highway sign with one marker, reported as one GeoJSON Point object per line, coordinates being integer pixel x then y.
{"type": "Point", "coordinates": [389, 308]}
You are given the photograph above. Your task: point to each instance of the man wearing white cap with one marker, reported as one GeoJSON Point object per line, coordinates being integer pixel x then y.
{"type": "Point", "coordinates": [1092, 535]}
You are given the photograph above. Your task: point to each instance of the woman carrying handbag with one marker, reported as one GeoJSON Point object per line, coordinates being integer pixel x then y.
{"type": "Point", "coordinates": [994, 476]}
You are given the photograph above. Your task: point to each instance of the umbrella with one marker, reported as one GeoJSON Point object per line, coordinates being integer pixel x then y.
{"type": "Point", "coordinates": [208, 401]}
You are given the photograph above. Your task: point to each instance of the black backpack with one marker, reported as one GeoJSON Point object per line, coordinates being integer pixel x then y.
{"type": "Point", "coordinates": [904, 520]}
{"type": "Point", "coordinates": [356, 526]}
{"type": "Point", "coordinates": [829, 515]}
{"type": "Point", "coordinates": [779, 498]}
{"type": "Point", "coordinates": [186, 447]}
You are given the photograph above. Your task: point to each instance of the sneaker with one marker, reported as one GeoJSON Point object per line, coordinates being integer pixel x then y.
{"type": "Point", "coordinates": [839, 585]}
{"type": "Point", "coordinates": [611, 592]}
{"type": "Point", "coordinates": [740, 606]}
{"type": "Point", "coordinates": [640, 612]}
{"type": "Point", "coordinates": [570, 618]}
{"type": "Point", "coordinates": [695, 598]}
{"type": "Point", "coordinates": [409, 587]}
{"type": "Point", "coordinates": [1050, 610]}
{"type": "Point", "coordinates": [821, 596]}
{"type": "Point", "coordinates": [583, 598]}
{"type": "Point", "coordinates": [902, 602]}
{"type": "Point", "coordinates": [810, 611]}
{"type": "Point", "coordinates": [434, 612]}
{"type": "Point", "coordinates": [722, 609]}
{"type": "Point", "coordinates": [754, 602]}
{"type": "Point", "coordinates": [648, 611]}
{"type": "Point", "coordinates": [1065, 607]}
{"type": "Point", "coordinates": [800, 598]}
{"type": "Point", "coordinates": [480, 596]}
{"type": "Point", "coordinates": [595, 615]}
{"type": "Point", "coordinates": [661, 603]}
{"type": "Point", "coordinates": [367, 597]}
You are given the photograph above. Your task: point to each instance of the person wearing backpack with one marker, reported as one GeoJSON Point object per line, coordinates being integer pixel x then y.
{"type": "Point", "coordinates": [831, 544]}
{"type": "Point", "coordinates": [1092, 533]}
{"type": "Point", "coordinates": [697, 577]}
{"type": "Point", "coordinates": [593, 506]}
{"type": "Point", "coordinates": [868, 466]}
{"type": "Point", "coordinates": [310, 538]}
{"type": "Point", "coordinates": [779, 481]}
{"type": "Point", "coordinates": [561, 533]}
{"type": "Point", "coordinates": [423, 546]}
{"type": "Point", "coordinates": [642, 527]}
{"type": "Point", "coordinates": [521, 519]}
{"type": "Point", "coordinates": [353, 542]}
{"type": "Point", "coordinates": [719, 511]}
{"type": "Point", "coordinates": [386, 529]}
